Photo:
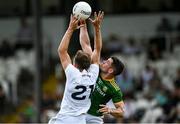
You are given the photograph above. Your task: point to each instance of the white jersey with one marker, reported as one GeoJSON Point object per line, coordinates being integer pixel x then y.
{"type": "Point", "coordinates": [79, 86]}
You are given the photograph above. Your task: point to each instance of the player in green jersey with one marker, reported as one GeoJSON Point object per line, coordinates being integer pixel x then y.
{"type": "Point", "coordinates": [106, 87]}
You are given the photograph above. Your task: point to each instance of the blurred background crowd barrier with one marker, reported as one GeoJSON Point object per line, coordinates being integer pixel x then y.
{"type": "Point", "coordinates": [144, 34]}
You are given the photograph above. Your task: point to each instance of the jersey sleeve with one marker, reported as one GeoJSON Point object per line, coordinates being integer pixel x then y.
{"type": "Point", "coordinates": [70, 71]}
{"type": "Point", "coordinates": [94, 70]}
{"type": "Point", "coordinates": [117, 96]}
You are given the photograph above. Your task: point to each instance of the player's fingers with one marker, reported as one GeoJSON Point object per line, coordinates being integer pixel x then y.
{"type": "Point", "coordinates": [99, 13]}
{"type": "Point", "coordinates": [98, 16]}
{"type": "Point", "coordinates": [95, 15]}
{"type": "Point", "coordinates": [102, 105]}
{"type": "Point", "coordinates": [71, 16]}
{"type": "Point", "coordinates": [76, 20]}
{"type": "Point", "coordinates": [90, 20]}
{"type": "Point", "coordinates": [122, 109]}
{"type": "Point", "coordinates": [74, 17]}
{"type": "Point", "coordinates": [105, 113]}
{"type": "Point", "coordinates": [102, 14]}
{"type": "Point", "coordinates": [103, 110]}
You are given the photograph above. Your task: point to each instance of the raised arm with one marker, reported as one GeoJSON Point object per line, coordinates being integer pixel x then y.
{"type": "Point", "coordinates": [64, 44]}
{"type": "Point", "coordinates": [84, 38]}
{"type": "Point", "coordinates": [97, 37]}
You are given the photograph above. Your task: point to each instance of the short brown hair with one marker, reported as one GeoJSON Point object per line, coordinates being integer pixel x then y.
{"type": "Point", "coordinates": [118, 66]}
{"type": "Point", "coordinates": [82, 60]}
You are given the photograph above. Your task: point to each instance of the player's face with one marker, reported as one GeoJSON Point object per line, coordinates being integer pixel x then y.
{"type": "Point", "coordinates": [106, 65]}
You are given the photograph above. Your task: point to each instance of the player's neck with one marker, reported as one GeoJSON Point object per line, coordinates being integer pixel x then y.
{"type": "Point", "coordinates": [106, 76]}
{"type": "Point", "coordinates": [75, 65]}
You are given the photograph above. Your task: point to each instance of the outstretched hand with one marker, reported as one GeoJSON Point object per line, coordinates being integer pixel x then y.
{"type": "Point", "coordinates": [104, 109]}
{"type": "Point", "coordinates": [73, 24]}
{"type": "Point", "coordinates": [97, 19]}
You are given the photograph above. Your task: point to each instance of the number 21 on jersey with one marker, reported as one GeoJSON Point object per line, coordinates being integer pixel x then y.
{"type": "Point", "coordinates": [82, 88]}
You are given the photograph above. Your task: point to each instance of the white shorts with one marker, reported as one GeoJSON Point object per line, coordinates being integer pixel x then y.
{"type": "Point", "coordinates": [91, 119]}
{"type": "Point", "coordinates": [67, 119]}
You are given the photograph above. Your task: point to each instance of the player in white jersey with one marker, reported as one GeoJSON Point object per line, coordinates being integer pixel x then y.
{"type": "Point", "coordinates": [80, 79]}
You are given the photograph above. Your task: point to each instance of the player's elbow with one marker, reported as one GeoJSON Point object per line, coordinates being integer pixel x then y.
{"type": "Point", "coordinates": [61, 51]}
{"type": "Point", "coordinates": [58, 50]}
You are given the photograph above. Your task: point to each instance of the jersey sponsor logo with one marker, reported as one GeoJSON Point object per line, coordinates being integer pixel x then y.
{"type": "Point", "coordinates": [100, 82]}
{"type": "Point", "coordinates": [100, 91]}
{"type": "Point", "coordinates": [104, 88]}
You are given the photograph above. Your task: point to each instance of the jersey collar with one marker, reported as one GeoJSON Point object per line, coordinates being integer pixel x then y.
{"type": "Point", "coordinates": [112, 79]}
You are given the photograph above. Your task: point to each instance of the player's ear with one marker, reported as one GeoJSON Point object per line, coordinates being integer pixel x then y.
{"type": "Point", "coordinates": [110, 71]}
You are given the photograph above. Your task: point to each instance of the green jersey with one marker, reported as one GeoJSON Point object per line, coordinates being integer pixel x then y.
{"type": "Point", "coordinates": [103, 92]}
